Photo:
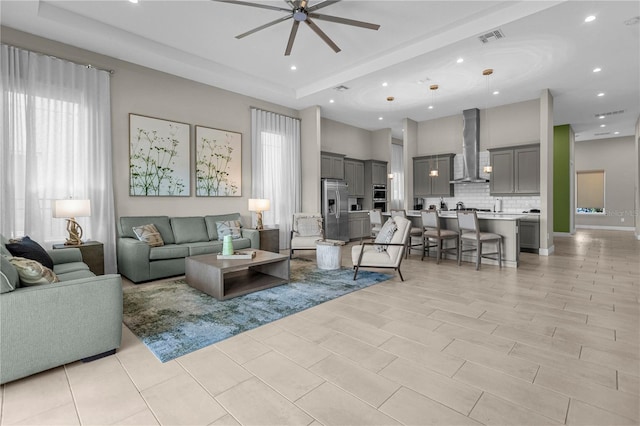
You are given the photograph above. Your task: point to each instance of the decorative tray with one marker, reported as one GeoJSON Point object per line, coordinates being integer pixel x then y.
{"type": "Point", "coordinates": [249, 254]}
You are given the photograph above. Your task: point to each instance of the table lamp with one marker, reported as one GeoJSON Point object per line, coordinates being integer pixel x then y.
{"type": "Point", "coordinates": [259, 205]}
{"type": "Point", "coordinates": [70, 209]}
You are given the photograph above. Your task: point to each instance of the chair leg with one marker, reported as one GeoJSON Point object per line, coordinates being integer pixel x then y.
{"type": "Point", "coordinates": [355, 273]}
{"type": "Point", "coordinates": [439, 251]}
{"type": "Point", "coordinates": [479, 255]}
{"type": "Point", "coordinates": [400, 273]}
{"type": "Point", "coordinates": [500, 253]}
{"type": "Point", "coordinates": [425, 245]}
{"type": "Point", "coordinates": [459, 251]}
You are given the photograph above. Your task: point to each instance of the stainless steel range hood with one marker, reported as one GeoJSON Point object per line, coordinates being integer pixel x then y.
{"type": "Point", "coordinates": [470, 148]}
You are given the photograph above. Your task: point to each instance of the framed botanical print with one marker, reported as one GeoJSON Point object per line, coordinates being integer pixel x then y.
{"type": "Point", "coordinates": [218, 163]}
{"type": "Point", "coordinates": [158, 157]}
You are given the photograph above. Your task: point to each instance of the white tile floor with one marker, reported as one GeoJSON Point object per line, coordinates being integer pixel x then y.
{"type": "Point", "coordinates": [556, 341]}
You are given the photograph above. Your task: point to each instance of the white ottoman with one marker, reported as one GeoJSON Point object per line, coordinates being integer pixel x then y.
{"type": "Point", "coordinates": [329, 254]}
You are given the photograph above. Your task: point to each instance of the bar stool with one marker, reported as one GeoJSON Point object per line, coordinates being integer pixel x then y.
{"type": "Point", "coordinates": [413, 232]}
{"type": "Point", "coordinates": [432, 231]}
{"type": "Point", "coordinates": [375, 218]}
{"type": "Point", "coordinates": [470, 234]}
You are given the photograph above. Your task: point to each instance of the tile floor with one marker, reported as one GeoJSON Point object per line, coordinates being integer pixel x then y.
{"type": "Point", "coordinates": [555, 341]}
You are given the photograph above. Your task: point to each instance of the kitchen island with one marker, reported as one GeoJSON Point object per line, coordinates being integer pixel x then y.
{"type": "Point", "coordinates": [507, 225]}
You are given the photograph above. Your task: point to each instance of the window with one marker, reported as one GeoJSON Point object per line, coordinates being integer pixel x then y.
{"type": "Point", "coordinates": [590, 192]}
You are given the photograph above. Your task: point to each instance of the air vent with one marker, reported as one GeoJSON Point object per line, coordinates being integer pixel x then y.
{"type": "Point", "coordinates": [491, 36]}
{"type": "Point", "coordinates": [607, 114]}
{"type": "Point", "coordinates": [341, 88]}
{"type": "Point", "coordinates": [602, 134]}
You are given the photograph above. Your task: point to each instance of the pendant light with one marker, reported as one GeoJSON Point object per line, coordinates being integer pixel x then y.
{"type": "Point", "coordinates": [433, 172]}
{"type": "Point", "coordinates": [487, 73]}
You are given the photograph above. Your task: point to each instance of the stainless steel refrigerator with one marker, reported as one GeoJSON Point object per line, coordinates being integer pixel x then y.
{"type": "Point", "coordinates": [334, 209]}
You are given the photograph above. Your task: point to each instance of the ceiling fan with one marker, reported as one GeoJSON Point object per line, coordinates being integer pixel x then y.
{"type": "Point", "coordinates": [301, 12]}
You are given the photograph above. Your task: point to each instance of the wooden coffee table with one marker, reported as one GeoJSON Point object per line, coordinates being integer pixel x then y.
{"type": "Point", "coordinates": [227, 278]}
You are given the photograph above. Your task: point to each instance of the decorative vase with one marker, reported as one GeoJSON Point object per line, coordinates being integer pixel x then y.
{"type": "Point", "coordinates": [227, 245]}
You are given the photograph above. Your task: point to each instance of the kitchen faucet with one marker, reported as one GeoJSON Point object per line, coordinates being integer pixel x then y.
{"type": "Point", "coordinates": [459, 205]}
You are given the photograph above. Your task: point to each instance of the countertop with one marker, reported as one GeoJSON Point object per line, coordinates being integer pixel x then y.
{"type": "Point", "coordinates": [481, 215]}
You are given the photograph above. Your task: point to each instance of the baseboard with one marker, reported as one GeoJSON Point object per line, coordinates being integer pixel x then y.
{"type": "Point", "coordinates": [547, 252]}
{"type": "Point", "coordinates": [607, 228]}
{"type": "Point", "coordinates": [563, 234]}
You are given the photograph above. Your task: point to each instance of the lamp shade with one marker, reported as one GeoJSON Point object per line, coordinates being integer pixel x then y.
{"type": "Point", "coordinates": [259, 205]}
{"type": "Point", "coordinates": [71, 208]}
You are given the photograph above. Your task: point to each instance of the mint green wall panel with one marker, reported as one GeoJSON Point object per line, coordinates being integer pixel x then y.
{"type": "Point", "coordinates": [561, 179]}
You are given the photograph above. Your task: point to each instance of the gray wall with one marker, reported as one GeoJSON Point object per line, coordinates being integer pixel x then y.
{"type": "Point", "coordinates": [341, 138]}
{"type": "Point", "coordinates": [140, 90]}
{"type": "Point", "coordinates": [617, 157]}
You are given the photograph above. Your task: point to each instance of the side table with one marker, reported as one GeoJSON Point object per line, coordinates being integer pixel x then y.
{"type": "Point", "coordinates": [92, 255]}
{"type": "Point", "coordinates": [329, 254]}
{"type": "Point", "coordinates": [270, 239]}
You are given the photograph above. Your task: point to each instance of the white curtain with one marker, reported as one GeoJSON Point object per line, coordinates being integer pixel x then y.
{"type": "Point", "coordinates": [275, 155]}
{"type": "Point", "coordinates": [397, 183]}
{"type": "Point", "coordinates": [56, 144]}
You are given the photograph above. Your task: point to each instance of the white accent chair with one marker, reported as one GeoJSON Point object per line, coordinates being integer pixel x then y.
{"type": "Point", "coordinates": [432, 231]}
{"type": "Point", "coordinates": [366, 255]}
{"type": "Point", "coordinates": [470, 234]}
{"type": "Point", "coordinates": [306, 229]}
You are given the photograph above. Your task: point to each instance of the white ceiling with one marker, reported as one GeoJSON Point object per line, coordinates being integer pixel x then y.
{"type": "Point", "coordinates": [547, 44]}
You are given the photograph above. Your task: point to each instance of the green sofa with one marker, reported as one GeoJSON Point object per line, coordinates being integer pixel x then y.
{"type": "Point", "coordinates": [48, 325]}
{"type": "Point", "coordinates": [182, 236]}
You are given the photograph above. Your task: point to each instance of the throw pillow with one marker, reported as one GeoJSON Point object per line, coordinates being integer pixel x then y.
{"type": "Point", "coordinates": [309, 226]}
{"type": "Point", "coordinates": [32, 272]}
{"type": "Point", "coordinates": [9, 278]}
{"type": "Point", "coordinates": [229, 227]}
{"type": "Point", "coordinates": [26, 247]}
{"type": "Point", "coordinates": [385, 235]}
{"type": "Point", "coordinates": [149, 234]}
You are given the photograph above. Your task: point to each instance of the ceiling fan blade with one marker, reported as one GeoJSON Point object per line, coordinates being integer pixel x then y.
{"type": "Point", "coordinates": [346, 21]}
{"type": "Point", "coordinates": [322, 4]}
{"type": "Point", "coordinates": [322, 35]}
{"type": "Point", "coordinates": [292, 37]}
{"type": "Point", "coordinates": [262, 27]}
{"type": "Point", "coordinates": [290, 3]}
{"type": "Point", "coordinates": [261, 6]}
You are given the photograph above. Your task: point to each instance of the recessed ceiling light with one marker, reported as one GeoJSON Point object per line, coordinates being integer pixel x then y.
{"type": "Point", "coordinates": [385, 84]}
{"type": "Point", "coordinates": [590, 18]}
{"type": "Point", "coordinates": [379, 118]}
{"type": "Point", "coordinates": [603, 125]}
{"type": "Point", "coordinates": [616, 133]}
{"type": "Point", "coordinates": [133, 1]}
{"type": "Point", "coordinates": [293, 68]}
{"type": "Point", "coordinates": [496, 92]}
{"type": "Point", "coordinates": [601, 117]}
{"type": "Point", "coordinates": [460, 60]}
{"type": "Point", "coordinates": [597, 69]}
{"type": "Point", "coordinates": [430, 107]}
{"type": "Point", "coordinates": [331, 101]}
{"type": "Point", "coordinates": [601, 94]}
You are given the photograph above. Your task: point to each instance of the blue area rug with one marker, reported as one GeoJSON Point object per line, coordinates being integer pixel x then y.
{"type": "Point", "coordinates": [173, 319]}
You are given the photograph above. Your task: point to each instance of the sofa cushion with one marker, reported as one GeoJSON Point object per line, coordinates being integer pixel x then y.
{"type": "Point", "coordinates": [76, 275]}
{"type": "Point", "coordinates": [9, 279]}
{"type": "Point", "coordinates": [27, 248]}
{"type": "Point", "coordinates": [162, 224]}
{"type": "Point", "coordinates": [189, 229]}
{"type": "Point", "coordinates": [65, 268]}
{"type": "Point", "coordinates": [32, 272]}
{"type": "Point", "coordinates": [386, 234]}
{"type": "Point", "coordinates": [149, 234]}
{"type": "Point", "coordinates": [229, 227]}
{"type": "Point", "coordinates": [211, 220]}
{"type": "Point", "coordinates": [168, 252]}
{"type": "Point", "coordinates": [208, 247]}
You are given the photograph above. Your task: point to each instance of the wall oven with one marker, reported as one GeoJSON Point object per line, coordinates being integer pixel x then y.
{"type": "Point", "coordinates": [381, 205]}
{"type": "Point", "coordinates": [379, 192]}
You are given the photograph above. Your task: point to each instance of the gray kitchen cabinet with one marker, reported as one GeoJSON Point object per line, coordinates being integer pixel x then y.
{"type": "Point", "coordinates": [530, 234]}
{"type": "Point", "coordinates": [354, 175]}
{"type": "Point", "coordinates": [516, 170]}
{"type": "Point", "coordinates": [378, 172]}
{"type": "Point", "coordinates": [359, 225]}
{"type": "Point", "coordinates": [429, 186]}
{"type": "Point", "coordinates": [527, 170]}
{"type": "Point", "coordinates": [331, 165]}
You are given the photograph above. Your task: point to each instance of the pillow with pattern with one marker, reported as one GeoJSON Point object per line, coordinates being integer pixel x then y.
{"type": "Point", "coordinates": [308, 226]}
{"type": "Point", "coordinates": [229, 227]}
{"type": "Point", "coordinates": [32, 272]}
{"type": "Point", "coordinates": [149, 234]}
{"type": "Point", "coordinates": [385, 235]}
